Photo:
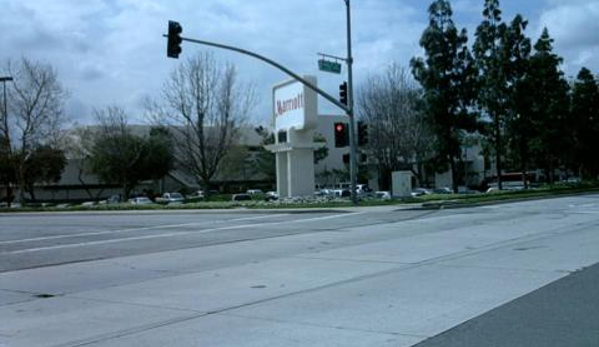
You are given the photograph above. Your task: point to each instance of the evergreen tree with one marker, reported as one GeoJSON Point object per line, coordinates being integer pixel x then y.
{"type": "Point", "coordinates": [447, 75]}
{"type": "Point", "coordinates": [549, 107]}
{"type": "Point", "coordinates": [491, 59]}
{"type": "Point", "coordinates": [585, 114]}
{"type": "Point", "coordinates": [518, 123]}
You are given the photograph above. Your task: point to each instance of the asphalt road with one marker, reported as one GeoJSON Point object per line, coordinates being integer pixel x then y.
{"type": "Point", "coordinates": [48, 239]}
{"type": "Point", "coordinates": [506, 274]}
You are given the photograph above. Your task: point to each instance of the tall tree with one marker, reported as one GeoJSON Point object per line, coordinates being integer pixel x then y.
{"type": "Point", "coordinates": [491, 60]}
{"type": "Point", "coordinates": [35, 114]}
{"type": "Point", "coordinates": [585, 113]}
{"type": "Point", "coordinates": [448, 77]}
{"type": "Point", "coordinates": [204, 105]}
{"type": "Point", "coordinates": [122, 157]}
{"type": "Point", "coordinates": [518, 123]}
{"type": "Point", "coordinates": [400, 137]}
{"type": "Point", "coordinates": [549, 109]}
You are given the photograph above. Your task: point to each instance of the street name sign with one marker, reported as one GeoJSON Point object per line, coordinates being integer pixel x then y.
{"type": "Point", "coordinates": [329, 66]}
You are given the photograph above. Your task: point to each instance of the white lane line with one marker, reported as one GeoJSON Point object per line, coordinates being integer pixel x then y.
{"type": "Point", "coordinates": [107, 232]}
{"type": "Point", "coordinates": [91, 243]}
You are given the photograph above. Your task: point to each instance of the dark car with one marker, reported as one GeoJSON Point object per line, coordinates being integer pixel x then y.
{"type": "Point", "coordinates": [241, 197]}
{"type": "Point", "coordinates": [444, 190]}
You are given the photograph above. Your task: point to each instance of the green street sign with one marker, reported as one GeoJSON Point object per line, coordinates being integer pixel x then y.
{"type": "Point", "coordinates": [329, 66]}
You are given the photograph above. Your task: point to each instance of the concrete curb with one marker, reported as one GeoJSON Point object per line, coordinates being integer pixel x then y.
{"type": "Point", "coordinates": [439, 205]}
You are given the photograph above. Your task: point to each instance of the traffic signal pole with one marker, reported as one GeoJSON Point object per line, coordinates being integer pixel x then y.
{"type": "Point", "coordinates": [349, 108]}
{"type": "Point", "coordinates": [353, 164]}
{"type": "Point", "coordinates": [295, 76]}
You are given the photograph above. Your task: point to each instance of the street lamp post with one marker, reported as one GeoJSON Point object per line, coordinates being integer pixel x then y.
{"type": "Point", "coordinates": [5, 118]}
{"type": "Point", "coordinates": [5, 121]}
{"type": "Point", "coordinates": [4, 80]}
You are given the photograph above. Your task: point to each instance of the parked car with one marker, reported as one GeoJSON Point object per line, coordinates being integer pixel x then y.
{"type": "Point", "coordinates": [253, 191]}
{"type": "Point", "coordinates": [171, 198]}
{"type": "Point", "coordinates": [363, 189]}
{"type": "Point", "coordinates": [241, 197]}
{"type": "Point", "coordinates": [341, 193]}
{"type": "Point", "coordinates": [324, 192]}
{"type": "Point", "coordinates": [419, 192]}
{"type": "Point", "coordinates": [140, 200]}
{"type": "Point", "coordinates": [443, 190]}
{"type": "Point", "coordinates": [466, 190]}
{"type": "Point", "coordinates": [271, 195]}
{"type": "Point", "coordinates": [494, 187]}
{"type": "Point", "coordinates": [113, 199]}
{"type": "Point", "coordinates": [383, 195]}
{"type": "Point", "coordinates": [198, 194]}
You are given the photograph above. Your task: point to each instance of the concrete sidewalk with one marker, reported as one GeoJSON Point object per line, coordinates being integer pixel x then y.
{"type": "Point", "coordinates": [384, 285]}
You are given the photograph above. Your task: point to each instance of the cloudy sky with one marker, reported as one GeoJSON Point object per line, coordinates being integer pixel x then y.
{"type": "Point", "coordinates": [111, 52]}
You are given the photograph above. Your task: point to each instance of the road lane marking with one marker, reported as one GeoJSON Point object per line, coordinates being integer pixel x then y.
{"type": "Point", "coordinates": [231, 227]}
{"type": "Point", "coordinates": [107, 232]}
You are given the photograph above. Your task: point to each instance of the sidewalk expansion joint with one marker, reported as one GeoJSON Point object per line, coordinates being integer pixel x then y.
{"type": "Point", "coordinates": [366, 261]}
{"type": "Point", "coordinates": [125, 303]}
{"type": "Point", "coordinates": [560, 271]}
{"type": "Point", "coordinates": [127, 332]}
{"type": "Point", "coordinates": [338, 327]}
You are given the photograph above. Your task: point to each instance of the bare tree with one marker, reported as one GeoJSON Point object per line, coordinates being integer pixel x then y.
{"type": "Point", "coordinates": [205, 106]}
{"type": "Point", "coordinates": [79, 147]}
{"type": "Point", "coordinates": [35, 117]}
{"type": "Point", "coordinates": [399, 135]}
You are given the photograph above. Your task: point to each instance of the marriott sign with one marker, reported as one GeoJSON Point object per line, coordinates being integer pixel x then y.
{"type": "Point", "coordinates": [294, 106]}
{"type": "Point", "coordinates": [290, 104]}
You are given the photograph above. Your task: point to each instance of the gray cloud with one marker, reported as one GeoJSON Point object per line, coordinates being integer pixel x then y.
{"type": "Point", "coordinates": [92, 73]}
{"type": "Point", "coordinates": [112, 51]}
{"type": "Point", "coordinates": [574, 25]}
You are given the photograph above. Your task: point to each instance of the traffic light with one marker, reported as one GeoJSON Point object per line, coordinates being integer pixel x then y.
{"type": "Point", "coordinates": [341, 135]}
{"type": "Point", "coordinates": [362, 133]}
{"type": "Point", "coordinates": [343, 93]}
{"type": "Point", "coordinates": [173, 48]}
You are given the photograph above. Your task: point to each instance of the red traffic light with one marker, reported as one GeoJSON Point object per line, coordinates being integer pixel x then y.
{"type": "Point", "coordinates": [341, 135]}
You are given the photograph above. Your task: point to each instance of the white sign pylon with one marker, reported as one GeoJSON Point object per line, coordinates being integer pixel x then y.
{"type": "Point", "coordinates": [295, 110]}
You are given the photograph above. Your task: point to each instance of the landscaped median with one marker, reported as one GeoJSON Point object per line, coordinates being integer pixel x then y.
{"type": "Point", "coordinates": [432, 201]}
{"type": "Point", "coordinates": [466, 200]}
